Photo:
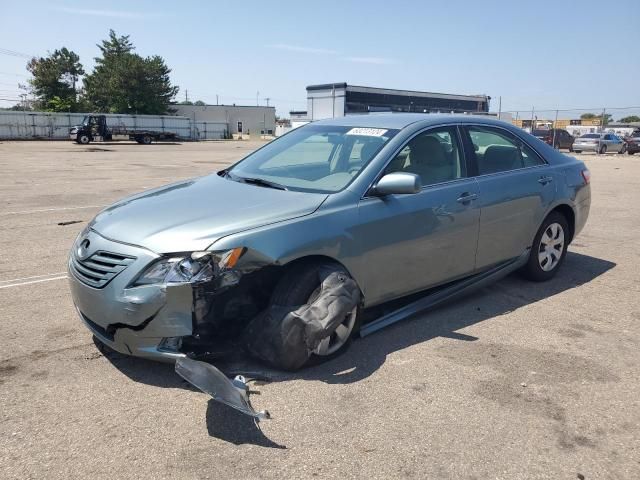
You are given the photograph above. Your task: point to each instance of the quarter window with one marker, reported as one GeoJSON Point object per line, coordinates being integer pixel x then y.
{"type": "Point", "coordinates": [433, 155]}
{"type": "Point", "coordinates": [497, 150]}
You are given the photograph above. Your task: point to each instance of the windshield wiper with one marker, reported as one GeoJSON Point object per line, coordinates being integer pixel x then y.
{"type": "Point", "coordinates": [262, 182]}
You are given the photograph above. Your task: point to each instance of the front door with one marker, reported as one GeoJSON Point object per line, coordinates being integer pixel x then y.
{"type": "Point", "coordinates": [516, 188]}
{"type": "Point", "coordinates": [416, 241]}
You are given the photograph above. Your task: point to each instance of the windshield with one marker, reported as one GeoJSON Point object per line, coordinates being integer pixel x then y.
{"type": "Point", "coordinates": [541, 133]}
{"type": "Point", "coordinates": [314, 158]}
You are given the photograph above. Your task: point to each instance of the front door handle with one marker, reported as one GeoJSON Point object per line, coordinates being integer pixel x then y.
{"type": "Point", "coordinates": [467, 197]}
{"type": "Point", "coordinates": [545, 179]}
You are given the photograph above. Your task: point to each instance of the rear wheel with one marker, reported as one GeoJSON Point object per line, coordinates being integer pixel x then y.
{"type": "Point", "coordinates": [146, 139]}
{"type": "Point", "coordinates": [630, 153]}
{"type": "Point", "coordinates": [302, 285]}
{"type": "Point", "coordinates": [577, 151]}
{"type": "Point", "coordinates": [603, 149]}
{"type": "Point", "coordinates": [549, 248]}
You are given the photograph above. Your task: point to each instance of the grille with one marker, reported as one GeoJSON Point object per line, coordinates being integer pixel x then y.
{"type": "Point", "coordinates": [100, 268]}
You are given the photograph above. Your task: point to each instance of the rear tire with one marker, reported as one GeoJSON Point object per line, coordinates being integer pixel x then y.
{"type": "Point", "coordinates": [630, 153]}
{"type": "Point", "coordinates": [603, 150]}
{"type": "Point", "coordinates": [299, 286]}
{"type": "Point", "coordinates": [549, 249]}
{"type": "Point", "coordinates": [577, 151]}
{"type": "Point", "coordinates": [146, 140]}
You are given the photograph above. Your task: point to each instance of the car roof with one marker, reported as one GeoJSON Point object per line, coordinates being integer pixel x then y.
{"type": "Point", "coordinates": [402, 120]}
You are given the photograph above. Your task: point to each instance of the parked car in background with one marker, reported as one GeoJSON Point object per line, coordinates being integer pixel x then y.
{"type": "Point", "coordinates": [633, 142]}
{"type": "Point", "coordinates": [383, 206]}
{"type": "Point", "coordinates": [556, 137]}
{"type": "Point", "coordinates": [599, 143]}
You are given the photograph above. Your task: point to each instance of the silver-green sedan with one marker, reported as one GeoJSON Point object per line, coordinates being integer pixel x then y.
{"type": "Point", "coordinates": [281, 253]}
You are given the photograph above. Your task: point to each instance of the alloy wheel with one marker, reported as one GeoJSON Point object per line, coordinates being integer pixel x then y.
{"type": "Point", "coordinates": [551, 247]}
{"type": "Point", "coordinates": [339, 337]}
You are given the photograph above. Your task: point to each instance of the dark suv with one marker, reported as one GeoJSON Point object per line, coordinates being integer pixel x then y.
{"type": "Point", "coordinates": [563, 139]}
{"type": "Point", "coordinates": [633, 142]}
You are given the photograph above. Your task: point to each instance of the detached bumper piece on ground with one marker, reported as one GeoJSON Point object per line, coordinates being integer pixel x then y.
{"type": "Point", "coordinates": [206, 377]}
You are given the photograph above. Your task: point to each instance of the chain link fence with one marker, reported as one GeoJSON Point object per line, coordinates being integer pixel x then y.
{"type": "Point", "coordinates": [623, 121]}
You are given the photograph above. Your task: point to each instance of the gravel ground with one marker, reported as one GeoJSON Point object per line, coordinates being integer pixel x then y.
{"type": "Point", "coordinates": [518, 380]}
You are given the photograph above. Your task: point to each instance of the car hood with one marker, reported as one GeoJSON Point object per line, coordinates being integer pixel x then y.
{"type": "Point", "coordinates": [192, 214]}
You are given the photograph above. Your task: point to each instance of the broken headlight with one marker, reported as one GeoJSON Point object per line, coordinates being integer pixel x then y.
{"type": "Point", "coordinates": [193, 268]}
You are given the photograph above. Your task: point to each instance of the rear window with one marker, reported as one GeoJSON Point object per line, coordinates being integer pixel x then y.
{"type": "Point", "coordinates": [541, 133]}
{"type": "Point", "coordinates": [590, 135]}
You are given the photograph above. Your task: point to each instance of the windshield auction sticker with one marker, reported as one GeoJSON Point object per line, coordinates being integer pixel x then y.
{"type": "Point", "coordinates": [367, 132]}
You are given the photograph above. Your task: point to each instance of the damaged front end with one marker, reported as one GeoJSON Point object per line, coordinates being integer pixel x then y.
{"type": "Point", "coordinates": [162, 308]}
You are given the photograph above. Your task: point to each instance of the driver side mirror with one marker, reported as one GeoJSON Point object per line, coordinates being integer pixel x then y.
{"type": "Point", "coordinates": [397, 183]}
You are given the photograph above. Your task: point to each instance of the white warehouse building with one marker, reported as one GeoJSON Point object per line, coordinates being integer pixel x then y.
{"type": "Point", "coordinates": [212, 121]}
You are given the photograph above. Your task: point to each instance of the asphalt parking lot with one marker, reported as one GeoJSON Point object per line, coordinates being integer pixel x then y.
{"type": "Point", "coordinates": [518, 380]}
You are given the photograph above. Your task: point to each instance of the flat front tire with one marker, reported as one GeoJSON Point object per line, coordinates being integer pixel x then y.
{"type": "Point", "coordinates": [301, 285]}
{"type": "Point", "coordinates": [549, 248]}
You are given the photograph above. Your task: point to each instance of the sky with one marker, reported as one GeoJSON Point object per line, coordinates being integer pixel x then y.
{"type": "Point", "coordinates": [542, 54]}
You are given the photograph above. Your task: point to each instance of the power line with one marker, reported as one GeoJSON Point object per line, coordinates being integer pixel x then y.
{"type": "Point", "coordinates": [16, 74]}
{"type": "Point", "coordinates": [13, 53]}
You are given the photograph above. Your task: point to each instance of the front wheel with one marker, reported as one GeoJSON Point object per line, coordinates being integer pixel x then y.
{"type": "Point", "coordinates": [549, 249]}
{"type": "Point", "coordinates": [83, 139]}
{"type": "Point", "coordinates": [146, 140]}
{"type": "Point", "coordinates": [302, 285]}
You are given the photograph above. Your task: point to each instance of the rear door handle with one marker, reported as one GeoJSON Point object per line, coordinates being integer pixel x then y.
{"type": "Point", "coordinates": [467, 197]}
{"type": "Point", "coordinates": [544, 180]}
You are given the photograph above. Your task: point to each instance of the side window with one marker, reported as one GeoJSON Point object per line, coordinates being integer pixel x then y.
{"type": "Point", "coordinates": [497, 150]}
{"type": "Point", "coordinates": [433, 155]}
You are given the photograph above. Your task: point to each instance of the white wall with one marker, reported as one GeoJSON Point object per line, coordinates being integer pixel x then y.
{"type": "Point", "coordinates": [253, 118]}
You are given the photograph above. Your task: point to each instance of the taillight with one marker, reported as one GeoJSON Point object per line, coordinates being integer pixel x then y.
{"type": "Point", "coordinates": [586, 175]}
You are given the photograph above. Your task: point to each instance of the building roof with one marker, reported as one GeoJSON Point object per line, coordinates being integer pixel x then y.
{"type": "Point", "coordinates": [391, 91]}
{"type": "Point", "coordinates": [220, 105]}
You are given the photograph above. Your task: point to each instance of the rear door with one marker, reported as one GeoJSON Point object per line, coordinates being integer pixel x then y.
{"type": "Point", "coordinates": [415, 241]}
{"type": "Point", "coordinates": [516, 187]}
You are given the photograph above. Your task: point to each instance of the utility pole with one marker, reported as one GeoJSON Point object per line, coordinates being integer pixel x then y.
{"type": "Point", "coordinates": [217, 99]}
{"type": "Point", "coordinates": [257, 95]}
{"type": "Point", "coordinates": [186, 95]}
{"type": "Point", "coordinates": [499, 107]}
{"type": "Point", "coordinates": [267, 100]}
{"type": "Point", "coordinates": [555, 127]}
{"type": "Point", "coordinates": [532, 112]}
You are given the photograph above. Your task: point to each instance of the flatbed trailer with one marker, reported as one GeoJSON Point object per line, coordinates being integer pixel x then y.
{"type": "Point", "coordinates": [95, 128]}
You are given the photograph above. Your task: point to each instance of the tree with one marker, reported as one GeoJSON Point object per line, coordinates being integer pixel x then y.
{"type": "Point", "coordinates": [54, 80]}
{"type": "Point", "coordinates": [630, 119]}
{"type": "Point", "coordinates": [125, 82]}
{"type": "Point", "coordinates": [592, 116]}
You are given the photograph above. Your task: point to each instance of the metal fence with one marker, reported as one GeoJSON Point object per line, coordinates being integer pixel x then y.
{"type": "Point", "coordinates": [577, 121]}
{"type": "Point", "coordinates": [52, 126]}
{"type": "Point", "coordinates": [209, 130]}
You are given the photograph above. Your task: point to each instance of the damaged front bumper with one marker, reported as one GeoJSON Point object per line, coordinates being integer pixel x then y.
{"type": "Point", "coordinates": [145, 321]}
